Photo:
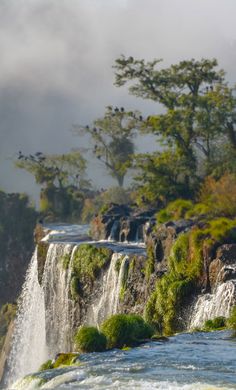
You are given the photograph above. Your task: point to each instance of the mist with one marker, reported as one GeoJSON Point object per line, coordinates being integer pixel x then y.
{"type": "Point", "coordinates": [56, 65]}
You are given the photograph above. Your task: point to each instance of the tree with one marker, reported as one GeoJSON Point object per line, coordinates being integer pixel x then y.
{"type": "Point", "coordinates": [198, 109]}
{"type": "Point", "coordinates": [112, 139]}
{"type": "Point", "coordinates": [63, 181]}
{"type": "Point", "coordinates": [162, 178]}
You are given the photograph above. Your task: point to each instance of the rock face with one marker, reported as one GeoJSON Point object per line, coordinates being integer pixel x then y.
{"type": "Point", "coordinates": [121, 223]}
{"type": "Point", "coordinates": [223, 267]}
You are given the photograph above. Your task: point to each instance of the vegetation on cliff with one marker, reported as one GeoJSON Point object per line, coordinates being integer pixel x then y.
{"type": "Point", "coordinates": [165, 306]}
{"type": "Point", "coordinates": [88, 261]}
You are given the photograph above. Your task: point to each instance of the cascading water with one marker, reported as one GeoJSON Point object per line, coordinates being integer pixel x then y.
{"type": "Point", "coordinates": [29, 348]}
{"type": "Point", "coordinates": [108, 302]}
{"type": "Point", "coordinates": [43, 325]}
{"type": "Point", "coordinates": [209, 306]}
{"type": "Point", "coordinates": [58, 305]}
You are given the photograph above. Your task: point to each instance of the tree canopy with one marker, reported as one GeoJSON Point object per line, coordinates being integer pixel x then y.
{"type": "Point", "coordinates": [112, 139]}
{"type": "Point", "coordinates": [198, 115]}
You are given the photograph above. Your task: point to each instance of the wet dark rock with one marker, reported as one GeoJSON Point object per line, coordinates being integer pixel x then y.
{"type": "Point", "coordinates": [122, 223]}
{"type": "Point", "coordinates": [223, 267]}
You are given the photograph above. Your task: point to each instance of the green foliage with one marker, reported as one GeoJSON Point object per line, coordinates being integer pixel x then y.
{"type": "Point", "coordinates": [63, 182]}
{"type": "Point", "coordinates": [185, 266]}
{"type": "Point", "coordinates": [63, 359]}
{"type": "Point", "coordinates": [65, 260]}
{"type": "Point", "coordinates": [196, 127]}
{"type": "Point", "coordinates": [89, 260]}
{"type": "Point", "coordinates": [163, 177]}
{"type": "Point", "coordinates": [231, 322]}
{"type": "Point", "coordinates": [150, 263]}
{"type": "Point", "coordinates": [221, 228]}
{"type": "Point", "coordinates": [75, 287]}
{"type": "Point", "coordinates": [112, 139]}
{"type": "Point", "coordinates": [48, 365]}
{"type": "Point", "coordinates": [219, 195]}
{"type": "Point", "coordinates": [123, 330]}
{"type": "Point", "coordinates": [89, 339]}
{"type": "Point", "coordinates": [174, 211]}
{"type": "Point", "coordinates": [217, 323]}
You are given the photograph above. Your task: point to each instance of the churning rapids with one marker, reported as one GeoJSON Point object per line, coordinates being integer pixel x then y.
{"type": "Point", "coordinates": [44, 322]}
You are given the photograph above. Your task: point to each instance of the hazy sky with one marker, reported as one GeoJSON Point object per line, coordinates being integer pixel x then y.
{"type": "Point", "coordinates": [57, 56]}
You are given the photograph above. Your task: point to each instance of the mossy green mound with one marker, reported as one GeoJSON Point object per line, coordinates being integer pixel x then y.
{"type": "Point", "coordinates": [62, 359]}
{"type": "Point", "coordinates": [231, 322]}
{"type": "Point", "coordinates": [217, 323]}
{"type": "Point", "coordinates": [123, 330]}
{"type": "Point", "coordinates": [89, 339]}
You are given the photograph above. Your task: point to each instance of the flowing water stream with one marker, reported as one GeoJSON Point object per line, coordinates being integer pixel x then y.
{"type": "Point", "coordinates": [200, 361]}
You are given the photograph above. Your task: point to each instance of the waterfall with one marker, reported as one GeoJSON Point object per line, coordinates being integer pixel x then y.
{"type": "Point", "coordinates": [43, 324]}
{"type": "Point", "coordinates": [58, 305]}
{"type": "Point", "coordinates": [219, 303]}
{"type": "Point", "coordinates": [108, 302]}
{"type": "Point", "coordinates": [29, 348]}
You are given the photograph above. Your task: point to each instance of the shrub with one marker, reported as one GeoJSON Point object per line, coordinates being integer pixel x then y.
{"type": "Point", "coordinates": [48, 365]}
{"type": "Point", "coordinates": [215, 324]}
{"type": "Point", "coordinates": [220, 195]}
{"type": "Point", "coordinates": [89, 339]}
{"type": "Point", "coordinates": [231, 322]}
{"type": "Point", "coordinates": [125, 330]}
{"type": "Point", "coordinates": [175, 210]}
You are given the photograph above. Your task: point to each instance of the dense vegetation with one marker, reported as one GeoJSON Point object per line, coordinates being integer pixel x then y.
{"type": "Point", "coordinates": [18, 219]}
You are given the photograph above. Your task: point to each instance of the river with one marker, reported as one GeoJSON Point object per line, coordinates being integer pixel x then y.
{"type": "Point", "coordinates": [198, 361]}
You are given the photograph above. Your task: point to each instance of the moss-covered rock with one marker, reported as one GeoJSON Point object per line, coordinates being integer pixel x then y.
{"type": "Point", "coordinates": [61, 360]}
{"type": "Point", "coordinates": [231, 322]}
{"type": "Point", "coordinates": [217, 323]}
{"type": "Point", "coordinates": [125, 330]}
{"type": "Point", "coordinates": [88, 261]}
{"type": "Point", "coordinates": [89, 339]}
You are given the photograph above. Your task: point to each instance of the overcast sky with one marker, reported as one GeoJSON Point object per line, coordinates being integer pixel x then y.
{"type": "Point", "coordinates": [57, 56]}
